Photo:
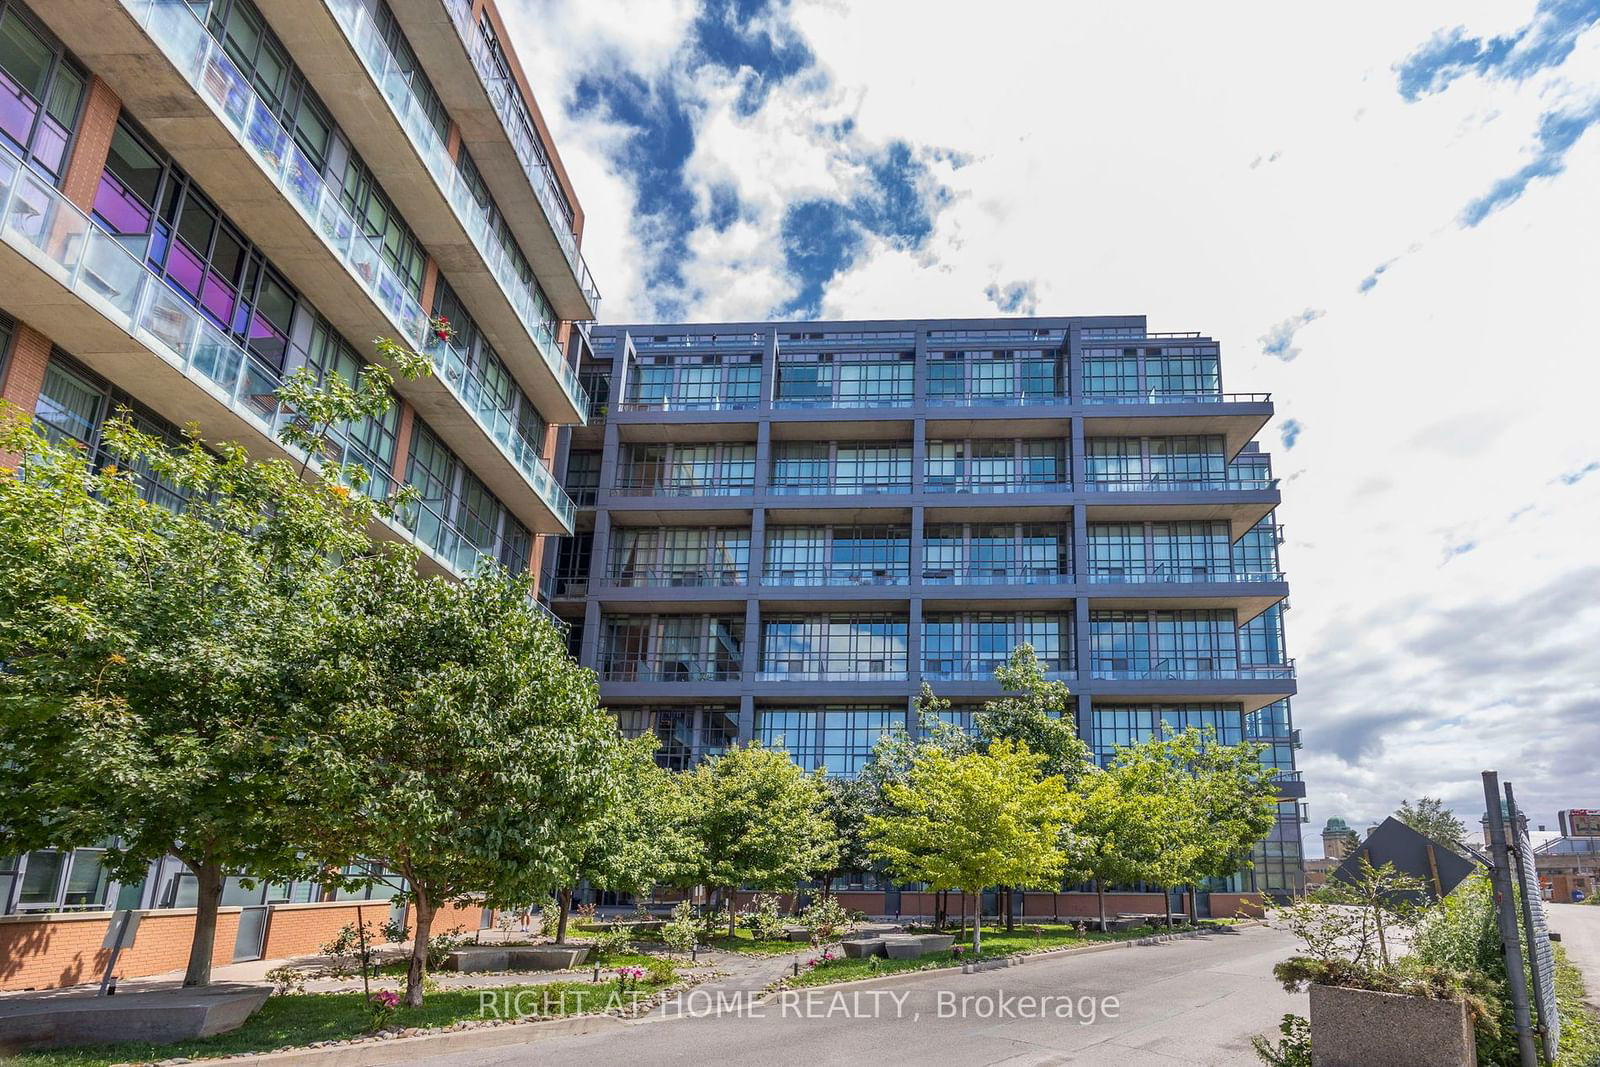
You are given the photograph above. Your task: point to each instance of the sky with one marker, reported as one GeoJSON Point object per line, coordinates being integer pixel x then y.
{"type": "Point", "coordinates": [1386, 213]}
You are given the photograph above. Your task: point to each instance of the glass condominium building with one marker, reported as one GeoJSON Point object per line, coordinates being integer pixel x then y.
{"type": "Point", "coordinates": [201, 197]}
{"type": "Point", "coordinates": [784, 529]}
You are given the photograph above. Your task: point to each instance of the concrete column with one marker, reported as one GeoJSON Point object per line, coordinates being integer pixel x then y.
{"type": "Point", "coordinates": [914, 644]}
{"type": "Point", "coordinates": [758, 548]}
{"type": "Point", "coordinates": [747, 718]}
{"type": "Point", "coordinates": [769, 370]}
{"type": "Point", "coordinates": [599, 550]}
{"type": "Point", "coordinates": [1085, 722]}
{"type": "Point", "coordinates": [608, 465]}
{"type": "Point", "coordinates": [91, 144]}
{"type": "Point", "coordinates": [919, 544]}
{"type": "Point", "coordinates": [919, 454]}
{"type": "Point", "coordinates": [919, 377]}
{"type": "Point", "coordinates": [763, 457]}
{"type": "Point", "coordinates": [752, 641]}
{"type": "Point", "coordinates": [1078, 462]}
{"type": "Point", "coordinates": [589, 650]}
{"type": "Point", "coordinates": [1074, 356]}
{"type": "Point", "coordinates": [1080, 623]}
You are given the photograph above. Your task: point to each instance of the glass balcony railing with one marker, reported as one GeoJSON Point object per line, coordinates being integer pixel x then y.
{"type": "Point", "coordinates": [355, 18]}
{"type": "Point", "coordinates": [837, 487]}
{"type": "Point", "coordinates": [1175, 573]}
{"type": "Point", "coordinates": [1194, 670]}
{"type": "Point", "coordinates": [683, 487]}
{"type": "Point", "coordinates": [691, 403]}
{"type": "Point", "coordinates": [58, 238]}
{"type": "Point", "coordinates": [996, 400]}
{"type": "Point", "coordinates": [173, 25]}
{"type": "Point", "coordinates": [837, 576]}
{"type": "Point", "coordinates": [506, 97]}
{"type": "Point", "coordinates": [825, 673]}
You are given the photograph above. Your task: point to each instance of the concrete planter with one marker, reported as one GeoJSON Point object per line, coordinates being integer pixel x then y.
{"type": "Point", "coordinates": [913, 946]}
{"type": "Point", "coordinates": [861, 947]}
{"type": "Point", "coordinates": [515, 958]}
{"type": "Point", "coordinates": [797, 933]}
{"type": "Point", "coordinates": [1360, 1028]}
{"type": "Point", "coordinates": [160, 1017]}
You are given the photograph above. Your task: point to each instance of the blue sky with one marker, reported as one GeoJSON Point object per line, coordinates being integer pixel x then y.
{"type": "Point", "coordinates": [1386, 213]}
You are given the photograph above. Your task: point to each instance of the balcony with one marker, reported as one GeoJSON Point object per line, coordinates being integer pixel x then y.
{"type": "Point", "coordinates": [1160, 484]}
{"type": "Point", "coordinates": [992, 483]}
{"type": "Point", "coordinates": [1291, 785]}
{"type": "Point", "coordinates": [72, 280]}
{"type": "Point", "coordinates": [674, 578]}
{"type": "Point", "coordinates": [979, 671]}
{"type": "Point", "coordinates": [666, 669]}
{"type": "Point", "coordinates": [1199, 670]}
{"type": "Point", "coordinates": [677, 403]}
{"type": "Point", "coordinates": [997, 400]}
{"type": "Point", "coordinates": [205, 112]}
{"type": "Point", "coordinates": [1236, 417]}
{"type": "Point", "coordinates": [812, 672]}
{"type": "Point", "coordinates": [837, 487]}
{"type": "Point", "coordinates": [836, 576]}
{"type": "Point", "coordinates": [370, 95]}
{"type": "Point", "coordinates": [509, 154]}
{"type": "Point", "coordinates": [673, 487]}
{"type": "Point", "coordinates": [1009, 575]}
{"type": "Point", "coordinates": [1186, 575]}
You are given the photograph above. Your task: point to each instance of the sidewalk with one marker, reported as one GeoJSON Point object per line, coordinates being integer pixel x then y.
{"type": "Point", "coordinates": [1579, 927]}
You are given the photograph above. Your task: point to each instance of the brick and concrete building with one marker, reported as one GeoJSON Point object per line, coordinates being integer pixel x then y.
{"type": "Point", "coordinates": [784, 529]}
{"type": "Point", "coordinates": [201, 197]}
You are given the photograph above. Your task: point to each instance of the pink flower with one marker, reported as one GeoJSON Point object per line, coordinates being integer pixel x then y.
{"type": "Point", "coordinates": [386, 999]}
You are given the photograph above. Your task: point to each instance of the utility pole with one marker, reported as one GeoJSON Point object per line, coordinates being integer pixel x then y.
{"type": "Point", "coordinates": [1505, 914]}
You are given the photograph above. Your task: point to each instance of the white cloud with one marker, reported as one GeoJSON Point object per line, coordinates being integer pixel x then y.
{"type": "Point", "coordinates": [1117, 158]}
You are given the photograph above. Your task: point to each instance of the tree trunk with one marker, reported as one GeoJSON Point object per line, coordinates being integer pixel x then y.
{"type": "Point", "coordinates": [419, 948]}
{"type": "Point", "coordinates": [732, 929]}
{"type": "Point", "coordinates": [1011, 922]}
{"type": "Point", "coordinates": [1100, 895]}
{"type": "Point", "coordinates": [1194, 906]}
{"type": "Point", "coordinates": [564, 902]}
{"type": "Point", "coordinates": [1166, 896]}
{"type": "Point", "coordinates": [209, 877]}
{"type": "Point", "coordinates": [977, 926]}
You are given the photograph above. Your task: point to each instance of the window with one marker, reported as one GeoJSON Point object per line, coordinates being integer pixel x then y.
{"type": "Point", "coordinates": [839, 738]}
{"type": "Point", "coordinates": [686, 470]}
{"type": "Point", "coordinates": [1134, 373]}
{"type": "Point", "coordinates": [482, 377]}
{"type": "Point", "coordinates": [845, 379]}
{"type": "Point", "coordinates": [524, 134]}
{"type": "Point", "coordinates": [714, 382]}
{"type": "Point", "coordinates": [1004, 465]}
{"type": "Point", "coordinates": [686, 734]}
{"type": "Point", "coordinates": [374, 438]}
{"type": "Point", "coordinates": [1262, 641]}
{"type": "Point", "coordinates": [672, 648]}
{"type": "Point", "coordinates": [865, 467]}
{"type": "Point", "coordinates": [1160, 551]}
{"type": "Point", "coordinates": [456, 515]}
{"type": "Point", "coordinates": [160, 215]}
{"type": "Point", "coordinates": [829, 647]}
{"type": "Point", "coordinates": [1151, 463]}
{"type": "Point", "coordinates": [843, 555]}
{"type": "Point", "coordinates": [1113, 725]}
{"type": "Point", "coordinates": [969, 377]}
{"type": "Point", "coordinates": [997, 553]}
{"type": "Point", "coordinates": [380, 220]}
{"type": "Point", "coordinates": [41, 91]}
{"type": "Point", "coordinates": [679, 556]}
{"type": "Point", "coordinates": [971, 646]}
{"type": "Point", "coordinates": [1256, 553]}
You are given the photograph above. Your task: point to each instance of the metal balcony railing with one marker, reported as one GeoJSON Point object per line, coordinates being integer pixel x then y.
{"type": "Point", "coordinates": [982, 670]}
{"type": "Point", "coordinates": [996, 400]}
{"type": "Point", "coordinates": [675, 487]}
{"type": "Point", "coordinates": [795, 403]}
{"type": "Point", "coordinates": [1178, 485]}
{"type": "Point", "coordinates": [807, 671]}
{"type": "Point", "coordinates": [1157, 396]}
{"type": "Point", "coordinates": [1007, 575]}
{"type": "Point", "coordinates": [837, 487]}
{"type": "Point", "coordinates": [837, 576]}
{"type": "Point", "coordinates": [669, 670]}
{"type": "Point", "coordinates": [1114, 575]}
{"type": "Point", "coordinates": [699, 403]}
{"type": "Point", "coordinates": [674, 577]}
{"type": "Point", "coordinates": [393, 80]}
{"type": "Point", "coordinates": [175, 27]}
{"type": "Point", "coordinates": [992, 483]}
{"type": "Point", "coordinates": [1192, 670]}
{"type": "Point", "coordinates": [506, 97]}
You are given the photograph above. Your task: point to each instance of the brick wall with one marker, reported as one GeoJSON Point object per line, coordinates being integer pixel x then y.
{"type": "Point", "coordinates": [1230, 905]}
{"type": "Point", "coordinates": [91, 145]}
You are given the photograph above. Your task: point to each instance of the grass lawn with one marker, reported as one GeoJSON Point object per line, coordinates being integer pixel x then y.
{"type": "Point", "coordinates": [301, 1018]}
{"type": "Point", "coordinates": [1580, 1027]}
{"type": "Point", "coordinates": [996, 942]}
{"type": "Point", "coordinates": [743, 941]}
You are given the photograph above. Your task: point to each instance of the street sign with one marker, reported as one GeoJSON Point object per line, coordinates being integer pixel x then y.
{"type": "Point", "coordinates": [1580, 822]}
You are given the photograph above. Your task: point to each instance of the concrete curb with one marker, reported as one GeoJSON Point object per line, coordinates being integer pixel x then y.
{"type": "Point", "coordinates": [400, 1049]}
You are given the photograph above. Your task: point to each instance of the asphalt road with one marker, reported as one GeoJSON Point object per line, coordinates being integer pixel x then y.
{"type": "Point", "coordinates": [1579, 927]}
{"type": "Point", "coordinates": [1181, 1002]}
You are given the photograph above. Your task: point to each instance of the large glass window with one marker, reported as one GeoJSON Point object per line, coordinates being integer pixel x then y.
{"type": "Point", "coordinates": [481, 376]}
{"type": "Point", "coordinates": [583, 476]}
{"type": "Point", "coordinates": [41, 91]}
{"type": "Point", "coordinates": [686, 470]}
{"type": "Point", "coordinates": [981, 377]}
{"type": "Point", "coordinates": [997, 553]}
{"type": "Point", "coordinates": [844, 379]}
{"type": "Point", "coordinates": [971, 646]}
{"type": "Point", "coordinates": [374, 439]}
{"type": "Point", "coordinates": [679, 556]}
{"type": "Point", "coordinates": [842, 555]}
{"type": "Point", "coordinates": [1132, 463]}
{"type": "Point", "coordinates": [826, 647]}
{"type": "Point", "coordinates": [800, 467]}
{"type": "Point", "coordinates": [1151, 373]}
{"type": "Point", "coordinates": [1115, 725]}
{"type": "Point", "coordinates": [1160, 552]}
{"type": "Point", "coordinates": [159, 214]}
{"type": "Point", "coordinates": [1256, 553]}
{"type": "Point", "coordinates": [839, 738]}
{"type": "Point", "coordinates": [716, 381]}
{"type": "Point", "coordinates": [456, 515]}
{"type": "Point", "coordinates": [672, 648]}
{"type": "Point", "coordinates": [686, 734]}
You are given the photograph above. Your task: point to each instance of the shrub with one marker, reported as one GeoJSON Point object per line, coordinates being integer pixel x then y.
{"type": "Point", "coordinates": [608, 943]}
{"type": "Point", "coordinates": [826, 917]}
{"type": "Point", "coordinates": [287, 979]}
{"type": "Point", "coordinates": [661, 971]}
{"type": "Point", "coordinates": [549, 917]}
{"type": "Point", "coordinates": [441, 945]}
{"type": "Point", "coordinates": [1294, 1050]}
{"type": "Point", "coordinates": [683, 929]}
{"type": "Point", "coordinates": [763, 918]}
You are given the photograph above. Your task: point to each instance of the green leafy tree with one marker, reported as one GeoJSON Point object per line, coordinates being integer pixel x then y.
{"type": "Point", "coordinates": [639, 840]}
{"type": "Point", "coordinates": [1430, 818]}
{"type": "Point", "coordinates": [846, 802]}
{"type": "Point", "coordinates": [975, 820]}
{"type": "Point", "coordinates": [1134, 825]}
{"type": "Point", "coordinates": [756, 819]}
{"type": "Point", "coordinates": [151, 695]}
{"type": "Point", "coordinates": [466, 750]}
{"type": "Point", "coordinates": [1036, 711]}
{"type": "Point", "coordinates": [1235, 800]}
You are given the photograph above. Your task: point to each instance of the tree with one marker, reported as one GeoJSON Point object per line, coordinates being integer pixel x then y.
{"type": "Point", "coordinates": [1133, 826]}
{"type": "Point", "coordinates": [150, 695]}
{"type": "Point", "coordinates": [466, 750]}
{"type": "Point", "coordinates": [1235, 803]}
{"type": "Point", "coordinates": [975, 820]}
{"type": "Point", "coordinates": [639, 840]}
{"type": "Point", "coordinates": [846, 802]}
{"type": "Point", "coordinates": [756, 819]}
{"type": "Point", "coordinates": [1430, 818]}
{"type": "Point", "coordinates": [1038, 712]}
